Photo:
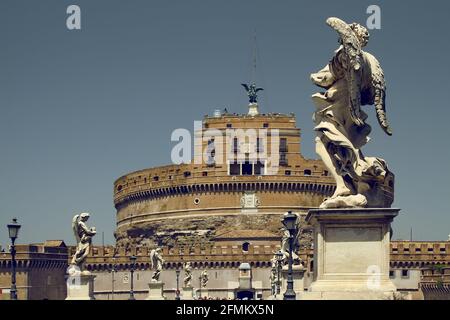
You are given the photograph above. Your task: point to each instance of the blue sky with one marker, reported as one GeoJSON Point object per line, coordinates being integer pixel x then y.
{"type": "Point", "coordinates": [81, 108]}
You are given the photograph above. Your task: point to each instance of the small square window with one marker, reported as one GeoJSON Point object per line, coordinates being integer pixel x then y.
{"type": "Point", "coordinates": [391, 274]}
{"type": "Point", "coordinates": [287, 172]}
{"type": "Point", "coordinates": [405, 273]}
{"type": "Point", "coordinates": [229, 125]}
{"type": "Point", "coordinates": [265, 125]}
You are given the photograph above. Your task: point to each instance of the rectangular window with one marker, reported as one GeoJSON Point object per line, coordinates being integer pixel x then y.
{"type": "Point", "coordinates": [211, 152]}
{"type": "Point", "coordinates": [283, 145]}
{"type": "Point", "coordinates": [235, 169]}
{"type": "Point", "coordinates": [405, 273]}
{"type": "Point", "coordinates": [260, 145]}
{"type": "Point", "coordinates": [259, 168]}
{"type": "Point", "coordinates": [391, 274]}
{"type": "Point", "coordinates": [283, 159]}
{"type": "Point", "coordinates": [235, 145]}
{"type": "Point", "coordinates": [247, 168]}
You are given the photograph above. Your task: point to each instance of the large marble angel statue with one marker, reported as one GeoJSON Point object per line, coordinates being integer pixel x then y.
{"type": "Point", "coordinates": [83, 235]}
{"type": "Point", "coordinates": [156, 263]}
{"type": "Point", "coordinates": [352, 79]}
{"type": "Point", "coordinates": [205, 278]}
{"type": "Point", "coordinates": [187, 274]}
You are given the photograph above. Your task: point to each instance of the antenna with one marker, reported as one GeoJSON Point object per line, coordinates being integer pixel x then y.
{"type": "Point", "coordinates": [255, 54]}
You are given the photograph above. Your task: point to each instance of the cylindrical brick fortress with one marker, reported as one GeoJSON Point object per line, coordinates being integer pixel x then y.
{"type": "Point", "coordinates": [192, 203]}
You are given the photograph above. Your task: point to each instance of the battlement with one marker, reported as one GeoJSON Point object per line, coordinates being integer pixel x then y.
{"type": "Point", "coordinates": [38, 255]}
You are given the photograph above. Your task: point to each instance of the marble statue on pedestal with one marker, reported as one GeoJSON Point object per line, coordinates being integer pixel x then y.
{"type": "Point", "coordinates": [295, 244]}
{"type": "Point", "coordinates": [187, 274]}
{"type": "Point", "coordinates": [352, 79]}
{"type": "Point", "coordinates": [80, 282]}
{"type": "Point", "coordinates": [273, 274]}
{"type": "Point", "coordinates": [156, 263]}
{"type": "Point", "coordinates": [83, 235]}
{"type": "Point", "coordinates": [205, 278]}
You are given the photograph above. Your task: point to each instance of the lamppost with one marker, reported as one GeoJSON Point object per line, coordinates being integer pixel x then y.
{"type": "Point", "coordinates": [13, 229]}
{"type": "Point", "coordinates": [113, 272]}
{"type": "Point", "coordinates": [280, 257]}
{"type": "Point", "coordinates": [133, 264]}
{"type": "Point", "coordinates": [177, 297]}
{"type": "Point", "coordinates": [289, 222]}
{"type": "Point", "coordinates": [200, 287]}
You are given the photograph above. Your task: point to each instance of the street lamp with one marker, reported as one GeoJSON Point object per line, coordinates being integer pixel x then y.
{"type": "Point", "coordinates": [289, 221]}
{"type": "Point", "coordinates": [133, 265]}
{"type": "Point", "coordinates": [200, 287]}
{"type": "Point", "coordinates": [280, 257]}
{"type": "Point", "coordinates": [113, 272]}
{"type": "Point", "coordinates": [177, 297]}
{"type": "Point", "coordinates": [13, 229]}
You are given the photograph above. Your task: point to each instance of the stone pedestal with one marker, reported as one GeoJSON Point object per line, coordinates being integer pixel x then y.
{"type": "Point", "coordinates": [80, 286]}
{"type": "Point", "coordinates": [253, 109]}
{"type": "Point", "coordinates": [155, 291]}
{"type": "Point", "coordinates": [202, 293]}
{"type": "Point", "coordinates": [188, 293]}
{"type": "Point", "coordinates": [351, 253]}
{"type": "Point", "coordinates": [298, 272]}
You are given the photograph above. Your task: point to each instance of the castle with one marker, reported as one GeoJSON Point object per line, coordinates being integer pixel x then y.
{"type": "Point", "coordinates": [219, 215]}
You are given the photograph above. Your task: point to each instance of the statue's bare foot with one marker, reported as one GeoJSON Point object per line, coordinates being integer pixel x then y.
{"type": "Point", "coordinates": [351, 201]}
{"type": "Point", "coordinates": [341, 191]}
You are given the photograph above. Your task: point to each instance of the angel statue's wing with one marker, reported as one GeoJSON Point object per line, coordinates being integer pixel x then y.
{"type": "Point", "coordinates": [352, 50]}
{"type": "Point", "coordinates": [245, 86]}
{"type": "Point", "coordinates": [75, 228]}
{"type": "Point", "coordinates": [259, 89]}
{"type": "Point", "coordinates": [152, 258]}
{"type": "Point", "coordinates": [379, 92]}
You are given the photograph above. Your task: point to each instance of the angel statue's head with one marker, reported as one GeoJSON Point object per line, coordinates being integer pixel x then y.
{"type": "Point", "coordinates": [84, 216]}
{"type": "Point", "coordinates": [361, 32]}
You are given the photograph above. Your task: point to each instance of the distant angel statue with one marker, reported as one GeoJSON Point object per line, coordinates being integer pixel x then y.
{"type": "Point", "coordinates": [204, 278]}
{"type": "Point", "coordinates": [252, 91]}
{"type": "Point", "coordinates": [187, 274]}
{"type": "Point", "coordinates": [156, 263]}
{"type": "Point", "coordinates": [352, 79]}
{"type": "Point", "coordinates": [295, 244]}
{"type": "Point", "coordinates": [83, 236]}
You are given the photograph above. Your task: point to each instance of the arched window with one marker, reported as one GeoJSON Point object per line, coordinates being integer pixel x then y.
{"type": "Point", "coordinates": [245, 246]}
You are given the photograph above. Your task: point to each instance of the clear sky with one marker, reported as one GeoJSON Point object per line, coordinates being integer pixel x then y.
{"type": "Point", "coordinates": [81, 108]}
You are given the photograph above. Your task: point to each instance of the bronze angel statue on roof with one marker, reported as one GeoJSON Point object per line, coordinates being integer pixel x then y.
{"type": "Point", "coordinates": [352, 79]}
{"type": "Point", "coordinates": [252, 91]}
